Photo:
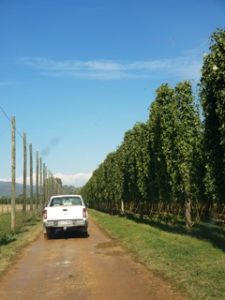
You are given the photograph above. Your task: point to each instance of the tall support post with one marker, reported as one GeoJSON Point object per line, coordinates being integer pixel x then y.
{"type": "Point", "coordinates": [44, 183]}
{"type": "Point", "coordinates": [53, 185]}
{"type": "Point", "coordinates": [41, 182]}
{"type": "Point", "coordinates": [24, 172]}
{"type": "Point", "coordinates": [49, 184]}
{"type": "Point", "coordinates": [31, 179]}
{"type": "Point", "coordinates": [122, 207]}
{"type": "Point", "coordinates": [13, 173]}
{"type": "Point", "coordinates": [37, 181]}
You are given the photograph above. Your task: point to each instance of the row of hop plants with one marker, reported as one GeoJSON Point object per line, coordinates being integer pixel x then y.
{"type": "Point", "coordinates": [174, 164]}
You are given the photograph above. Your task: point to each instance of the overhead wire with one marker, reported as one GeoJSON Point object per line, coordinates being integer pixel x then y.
{"type": "Point", "coordinates": [17, 131]}
{"type": "Point", "coordinates": [9, 119]}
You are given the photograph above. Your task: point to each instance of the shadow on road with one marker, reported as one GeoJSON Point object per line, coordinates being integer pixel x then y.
{"type": "Point", "coordinates": [61, 234]}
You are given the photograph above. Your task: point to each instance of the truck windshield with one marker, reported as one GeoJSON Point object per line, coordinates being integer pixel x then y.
{"type": "Point", "coordinates": [65, 201]}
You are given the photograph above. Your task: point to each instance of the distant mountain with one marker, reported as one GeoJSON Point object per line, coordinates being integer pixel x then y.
{"type": "Point", "coordinates": [5, 188]}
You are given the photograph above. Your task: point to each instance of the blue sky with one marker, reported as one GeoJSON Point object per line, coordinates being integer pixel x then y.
{"type": "Point", "coordinates": [78, 74]}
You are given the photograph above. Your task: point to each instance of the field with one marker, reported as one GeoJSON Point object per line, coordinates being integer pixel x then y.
{"type": "Point", "coordinates": [4, 208]}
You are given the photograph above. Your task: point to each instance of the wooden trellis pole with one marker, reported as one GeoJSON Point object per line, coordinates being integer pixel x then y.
{"type": "Point", "coordinates": [44, 183]}
{"type": "Point", "coordinates": [41, 182]}
{"type": "Point", "coordinates": [13, 173]}
{"type": "Point", "coordinates": [31, 178]}
{"type": "Point", "coordinates": [24, 172]}
{"type": "Point", "coordinates": [37, 181]}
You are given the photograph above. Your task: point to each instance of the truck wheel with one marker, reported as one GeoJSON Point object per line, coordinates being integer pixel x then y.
{"type": "Point", "coordinates": [85, 233]}
{"type": "Point", "coordinates": [46, 237]}
{"type": "Point", "coordinates": [47, 234]}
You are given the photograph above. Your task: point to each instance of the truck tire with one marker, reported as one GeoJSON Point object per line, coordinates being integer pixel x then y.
{"type": "Point", "coordinates": [85, 233]}
{"type": "Point", "coordinates": [48, 234]}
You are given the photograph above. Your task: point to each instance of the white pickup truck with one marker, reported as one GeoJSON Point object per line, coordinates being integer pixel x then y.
{"type": "Point", "coordinates": [65, 212]}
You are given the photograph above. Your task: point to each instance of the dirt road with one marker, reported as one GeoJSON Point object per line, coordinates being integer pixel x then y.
{"type": "Point", "coordinates": [93, 268]}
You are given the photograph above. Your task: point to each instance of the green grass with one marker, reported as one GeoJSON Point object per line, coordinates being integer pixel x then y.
{"type": "Point", "coordinates": [23, 222]}
{"type": "Point", "coordinates": [11, 243]}
{"type": "Point", "coordinates": [193, 263]}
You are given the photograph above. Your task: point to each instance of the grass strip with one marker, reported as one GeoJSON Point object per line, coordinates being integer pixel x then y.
{"type": "Point", "coordinates": [194, 264]}
{"type": "Point", "coordinates": [11, 243]}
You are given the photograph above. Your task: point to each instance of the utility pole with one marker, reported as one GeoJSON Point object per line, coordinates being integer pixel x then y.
{"type": "Point", "coordinates": [44, 183]}
{"type": "Point", "coordinates": [37, 181]}
{"type": "Point", "coordinates": [41, 183]}
{"type": "Point", "coordinates": [31, 178]}
{"type": "Point", "coordinates": [13, 173]}
{"type": "Point", "coordinates": [24, 172]}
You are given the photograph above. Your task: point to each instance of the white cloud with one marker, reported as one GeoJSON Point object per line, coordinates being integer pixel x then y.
{"type": "Point", "coordinates": [5, 179]}
{"type": "Point", "coordinates": [78, 179]}
{"type": "Point", "coordinates": [19, 179]}
{"type": "Point", "coordinates": [187, 66]}
{"type": "Point", "coordinates": [50, 65]}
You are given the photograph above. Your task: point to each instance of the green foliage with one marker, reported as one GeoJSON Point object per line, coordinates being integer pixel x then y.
{"type": "Point", "coordinates": [70, 189]}
{"type": "Point", "coordinates": [59, 181]}
{"type": "Point", "coordinates": [135, 149]}
{"type": "Point", "coordinates": [5, 200]}
{"type": "Point", "coordinates": [175, 133]}
{"type": "Point", "coordinates": [123, 176]}
{"type": "Point", "coordinates": [213, 102]}
{"type": "Point", "coordinates": [155, 162]}
{"type": "Point", "coordinates": [160, 131]}
{"type": "Point", "coordinates": [6, 238]}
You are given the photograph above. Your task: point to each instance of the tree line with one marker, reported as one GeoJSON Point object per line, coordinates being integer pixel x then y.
{"type": "Point", "coordinates": [173, 164]}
